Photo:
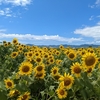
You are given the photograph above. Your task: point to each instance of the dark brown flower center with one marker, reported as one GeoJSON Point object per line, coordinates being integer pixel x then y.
{"type": "Point", "coordinates": [71, 55]}
{"type": "Point", "coordinates": [61, 92]}
{"type": "Point", "coordinates": [89, 61]}
{"type": "Point", "coordinates": [24, 97]}
{"type": "Point", "coordinates": [89, 70]}
{"type": "Point", "coordinates": [67, 82]}
{"type": "Point", "coordinates": [9, 84]}
{"type": "Point", "coordinates": [39, 74]}
{"type": "Point", "coordinates": [54, 71]}
{"type": "Point", "coordinates": [77, 70]}
{"type": "Point", "coordinates": [25, 69]}
{"type": "Point", "coordinates": [14, 54]}
{"type": "Point", "coordinates": [38, 59]}
{"type": "Point", "coordinates": [39, 68]}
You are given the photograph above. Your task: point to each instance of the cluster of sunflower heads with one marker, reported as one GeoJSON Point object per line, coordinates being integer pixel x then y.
{"type": "Point", "coordinates": [46, 73]}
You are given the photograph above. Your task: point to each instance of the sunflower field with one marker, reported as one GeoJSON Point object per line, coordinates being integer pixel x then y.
{"type": "Point", "coordinates": [47, 73]}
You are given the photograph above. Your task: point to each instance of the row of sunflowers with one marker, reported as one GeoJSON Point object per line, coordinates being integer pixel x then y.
{"type": "Point", "coordinates": [46, 73]}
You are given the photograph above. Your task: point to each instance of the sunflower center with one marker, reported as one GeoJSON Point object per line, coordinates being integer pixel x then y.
{"type": "Point", "coordinates": [89, 70]}
{"type": "Point", "coordinates": [83, 53]}
{"type": "Point", "coordinates": [30, 54]}
{"type": "Point", "coordinates": [16, 92]}
{"type": "Point", "coordinates": [51, 60]}
{"type": "Point", "coordinates": [89, 61]}
{"type": "Point", "coordinates": [46, 56]}
{"type": "Point", "coordinates": [24, 97]}
{"type": "Point", "coordinates": [61, 92]}
{"type": "Point", "coordinates": [98, 59]}
{"type": "Point", "coordinates": [25, 69]}
{"type": "Point", "coordinates": [77, 70]}
{"type": "Point", "coordinates": [71, 55]}
{"type": "Point", "coordinates": [14, 54]}
{"type": "Point", "coordinates": [9, 84]}
{"type": "Point", "coordinates": [67, 82]}
{"type": "Point", "coordinates": [38, 59]}
{"type": "Point", "coordinates": [36, 54]}
{"type": "Point", "coordinates": [39, 75]}
{"type": "Point", "coordinates": [14, 41]}
{"type": "Point", "coordinates": [39, 68]}
{"type": "Point", "coordinates": [54, 71]}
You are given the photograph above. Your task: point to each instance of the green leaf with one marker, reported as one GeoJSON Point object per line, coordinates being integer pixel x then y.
{"type": "Point", "coordinates": [51, 87]}
{"type": "Point", "coordinates": [83, 93]}
{"type": "Point", "coordinates": [3, 95]}
{"type": "Point", "coordinates": [42, 93]}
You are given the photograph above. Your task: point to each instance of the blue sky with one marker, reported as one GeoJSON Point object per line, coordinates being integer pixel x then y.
{"type": "Point", "coordinates": [50, 22]}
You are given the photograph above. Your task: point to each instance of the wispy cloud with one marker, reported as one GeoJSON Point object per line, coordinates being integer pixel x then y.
{"type": "Point", "coordinates": [91, 18]}
{"type": "Point", "coordinates": [6, 12]}
{"type": "Point", "coordinates": [16, 2]}
{"type": "Point", "coordinates": [96, 4]}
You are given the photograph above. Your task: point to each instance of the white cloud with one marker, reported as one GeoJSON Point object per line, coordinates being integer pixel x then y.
{"type": "Point", "coordinates": [6, 12]}
{"type": "Point", "coordinates": [26, 38]}
{"type": "Point", "coordinates": [38, 37]}
{"type": "Point", "coordinates": [16, 2]}
{"type": "Point", "coordinates": [93, 31]}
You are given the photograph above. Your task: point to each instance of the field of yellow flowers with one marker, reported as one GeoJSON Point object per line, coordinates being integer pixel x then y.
{"type": "Point", "coordinates": [46, 73]}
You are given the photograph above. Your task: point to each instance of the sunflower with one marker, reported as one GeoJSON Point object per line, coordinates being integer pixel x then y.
{"type": "Point", "coordinates": [40, 75]}
{"type": "Point", "coordinates": [5, 44]}
{"type": "Point", "coordinates": [66, 81]}
{"type": "Point", "coordinates": [61, 92]}
{"type": "Point", "coordinates": [13, 93]}
{"type": "Point", "coordinates": [25, 96]}
{"type": "Point", "coordinates": [37, 54]}
{"type": "Point", "coordinates": [71, 55]}
{"type": "Point", "coordinates": [89, 70]}
{"type": "Point", "coordinates": [46, 55]}
{"type": "Point", "coordinates": [39, 68]}
{"type": "Point", "coordinates": [9, 43]}
{"type": "Point", "coordinates": [82, 52]}
{"type": "Point", "coordinates": [20, 48]}
{"type": "Point", "coordinates": [45, 49]}
{"type": "Point", "coordinates": [76, 69]}
{"type": "Point", "coordinates": [51, 60]}
{"type": "Point", "coordinates": [54, 71]}
{"type": "Point", "coordinates": [30, 54]}
{"type": "Point", "coordinates": [28, 59]}
{"type": "Point", "coordinates": [57, 53]}
{"type": "Point", "coordinates": [14, 54]}
{"type": "Point", "coordinates": [9, 83]}
{"type": "Point", "coordinates": [58, 61]}
{"type": "Point", "coordinates": [25, 68]}
{"type": "Point", "coordinates": [57, 76]}
{"type": "Point", "coordinates": [38, 59]}
{"type": "Point", "coordinates": [61, 47]}
{"type": "Point", "coordinates": [15, 41]}
{"type": "Point", "coordinates": [89, 59]}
